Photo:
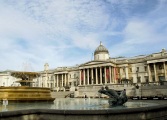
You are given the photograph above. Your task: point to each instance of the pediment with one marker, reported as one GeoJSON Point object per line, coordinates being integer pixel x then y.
{"type": "Point", "coordinates": [90, 63]}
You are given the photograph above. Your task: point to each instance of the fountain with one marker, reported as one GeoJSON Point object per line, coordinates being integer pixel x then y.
{"type": "Point", "coordinates": [87, 108]}
{"type": "Point", "coordinates": [114, 97]}
{"type": "Point", "coordinates": [25, 92]}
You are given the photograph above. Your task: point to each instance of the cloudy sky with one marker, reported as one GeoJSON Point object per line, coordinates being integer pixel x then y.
{"type": "Point", "coordinates": [66, 32]}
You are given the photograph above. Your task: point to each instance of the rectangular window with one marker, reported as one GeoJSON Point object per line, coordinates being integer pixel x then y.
{"type": "Point", "coordinates": [75, 83]}
{"type": "Point", "coordinates": [146, 79]}
{"type": "Point", "coordinates": [130, 69]}
{"type": "Point", "coordinates": [153, 78]}
{"type": "Point", "coordinates": [145, 68]}
{"type": "Point", "coordinates": [160, 67]}
{"type": "Point", "coordinates": [138, 79]}
{"type": "Point", "coordinates": [152, 67]}
{"type": "Point", "coordinates": [118, 70]}
{"type": "Point", "coordinates": [131, 79]}
{"type": "Point", "coordinates": [137, 70]}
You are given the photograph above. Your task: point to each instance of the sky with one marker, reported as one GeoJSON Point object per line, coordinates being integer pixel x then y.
{"type": "Point", "coordinates": [67, 32]}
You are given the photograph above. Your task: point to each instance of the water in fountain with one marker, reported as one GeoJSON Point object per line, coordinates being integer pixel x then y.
{"type": "Point", "coordinates": [74, 104]}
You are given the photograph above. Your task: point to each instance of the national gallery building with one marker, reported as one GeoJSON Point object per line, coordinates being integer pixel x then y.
{"type": "Point", "coordinates": [103, 70]}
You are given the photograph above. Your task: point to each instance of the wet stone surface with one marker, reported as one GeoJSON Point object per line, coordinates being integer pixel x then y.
{"type": "Point", "coordinates": [80, 104]}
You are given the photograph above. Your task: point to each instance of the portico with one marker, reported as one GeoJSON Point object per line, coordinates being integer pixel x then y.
{"type": "Point", "coordinates": [157, 70]}
{"type": "Point", "coordinates": [61, 80]}
{"type": "Point", "coordinates": [96, 72]}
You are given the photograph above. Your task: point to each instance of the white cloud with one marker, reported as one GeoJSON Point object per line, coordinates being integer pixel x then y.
{"type": "Point", "coordinates": [143, 35]}
{"type": "Point", "coordinates": [139, 32]}
{"type": "Point", "coordinates": [54, 31]}
{"type": "Point", "coordinates": [40, 31]}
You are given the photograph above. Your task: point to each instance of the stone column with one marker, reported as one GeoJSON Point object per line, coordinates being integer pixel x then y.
{"type": "Point", "coordinates": [149, 73]}
{"type": "Point", "coordinates": [100, 75]}
{"type": "Point", "coordinates": [40, 81]}
{"type": "Point", "coordinates": [155, 72]}
{"type": "Point", "coordinates": [105, 80]}
{"type": "Point", "coordinates": [165, 71]}
{"type": "Point", "coordinates": [57, 80]}
{"type": "Point", "coordinates": [114, 72]}
{"type": "Point", "coordinates": [92, 76]}
{"type": "Point", "coordinates": [54, 80]}
{"type": "Point", "coordinates": [126, 72]}
{"type": "Point", "coordinates": [113, 75]}
{"type": "Point", "coordinates": [121, 75]}
{"type": "Point", "coordinates": [65, 80]}
{"type": "Point", "coordinates": [83, 76]}
{"type": "Point", "coordinates": [80, 74]}
{"type": "Point", "coordinates": [88, 76]}
{"type": "Point", "coordinates": [46, 81]}
{"type": "Point", "coordinates": [110, 74]}
{"type": "Point", "coordinates": [62, 80]}
{"type": "Point", "coordinates": [96, 76]}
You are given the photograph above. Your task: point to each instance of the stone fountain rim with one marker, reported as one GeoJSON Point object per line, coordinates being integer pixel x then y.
{"type": "Point", "coordinates": [85, 112]}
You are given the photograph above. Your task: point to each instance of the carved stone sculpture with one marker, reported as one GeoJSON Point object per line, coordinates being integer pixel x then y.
{"type": "Point", "coordinates": [114, 97]}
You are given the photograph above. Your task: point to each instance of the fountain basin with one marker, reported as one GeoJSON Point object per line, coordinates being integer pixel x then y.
{"type": "Point", "coordinates": [89, 109]}
{"type": "Point", "coordinates": [24, 94]}
{"type": "Point", "coordinates": [154, 112]}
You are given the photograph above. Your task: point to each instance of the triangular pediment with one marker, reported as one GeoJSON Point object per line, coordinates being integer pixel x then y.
{"type": "Point", "coordinates": [90, 63]}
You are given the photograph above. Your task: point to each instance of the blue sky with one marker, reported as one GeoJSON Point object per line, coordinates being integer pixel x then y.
{"type": "Point", "coordinates": [66, 32]}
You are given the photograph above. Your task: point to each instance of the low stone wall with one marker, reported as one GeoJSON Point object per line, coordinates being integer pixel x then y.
{"type": "Point", "coordinates": [61, 94]}
{"type": "Point", "coordinates": [131, 91]}
{"type": "Point", "coordinates": [153, 113]}
{"type": "Point", "coordinates": [92, 91]}
{"type": "Point", "coordinates": [154, 90]}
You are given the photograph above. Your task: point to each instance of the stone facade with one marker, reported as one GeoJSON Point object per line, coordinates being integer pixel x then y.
{"type": "Point", "coordinates": [6, 79]}
{"type": "Point", "coordinates": [143, 69]}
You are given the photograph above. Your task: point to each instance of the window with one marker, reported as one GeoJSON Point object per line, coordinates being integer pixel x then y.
{"type": "Point", "coordinates": [137, 69]}
{"type": "Point", "coordinates": [131, 79]}
{"type": "Point", "coordinates": [160, 67]}
{"type": "Point", "coordinates": [138, 79]}
{"type": "Point", "coordinates": [52, 78]}
{"type": "Point", "coordinates": [145, 68]}
{"type": "Point", "coordinates": [152, 68]}
{"type": "Point", "coordinates": [146, 79]}
{"type": "Point", "coordinates": [74, 75]}
{"type": "Point", "coordinates": [130, 69]}
{"type": "Point", "coordinates": [153, 78]}
{"type": "Point", "coordinates": [117, 70]}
